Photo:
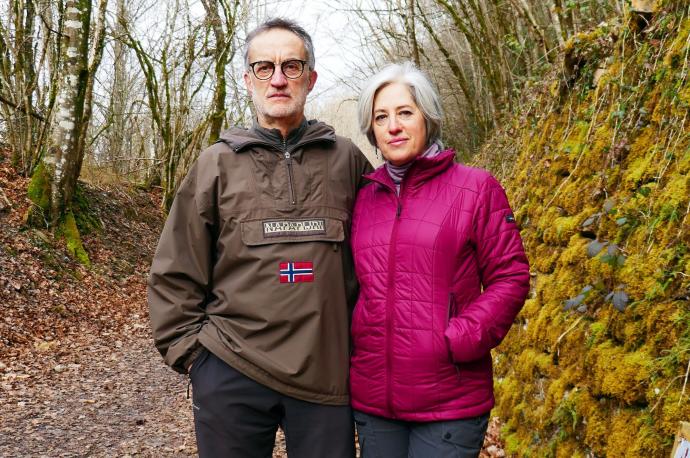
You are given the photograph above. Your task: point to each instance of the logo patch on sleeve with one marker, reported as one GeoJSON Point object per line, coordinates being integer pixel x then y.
{"type": "Point", "coordinates": [510, 218]}
{"type": "Point", "coordinates": [302, 227]}
{"type": "Point", "coordinates": [297, 272]}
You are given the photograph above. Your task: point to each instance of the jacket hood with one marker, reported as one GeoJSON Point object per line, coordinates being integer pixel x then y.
{"type": "Point", "coordinates": [308, 132]}
{"type": "Point", "coordinates": [422, 169]}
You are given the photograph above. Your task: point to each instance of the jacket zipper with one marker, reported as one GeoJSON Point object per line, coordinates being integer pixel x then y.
{"type": "Point", "coordinates": [288, 164]}
{"type": "Point", "coordinates": [451, 308]}
{"type": "Point", "coordinates": [389, 304]}
{"type": "Point", "coordinates": [288, 159]}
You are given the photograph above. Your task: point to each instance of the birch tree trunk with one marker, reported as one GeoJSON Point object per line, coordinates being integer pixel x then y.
{"type": "Point", "coordinates": [54, 181]}
{"type": "Point", "coordinates": [18, 81]}
{"type": "Point", "coordinates": [60, 163]}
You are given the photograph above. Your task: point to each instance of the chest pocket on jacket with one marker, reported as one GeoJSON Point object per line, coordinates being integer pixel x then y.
{"type": "Point", "coordinates": [267, 231]}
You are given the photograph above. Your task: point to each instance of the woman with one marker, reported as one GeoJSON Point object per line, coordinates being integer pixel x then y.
{"type": "Point", "coordinates": [442, 273]}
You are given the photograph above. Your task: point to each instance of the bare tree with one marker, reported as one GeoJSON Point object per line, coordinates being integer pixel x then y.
{"type": "Point", "coordinates": [480, 52]}
{"type": "Point", "coordinates": [54, 182]}
{"type": "Point", "coordinates": [175, 74]}
{"type": "Point", "coordinates": [116, 114]}
{"type": "Point", "coordinates": [19, 79]}
{"type": "Point", "coordinates": [224, 30]}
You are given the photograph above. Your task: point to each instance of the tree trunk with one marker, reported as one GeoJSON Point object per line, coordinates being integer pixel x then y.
{"type": "Point", "coordinates": [412, 32]}
{"type": "Point", "coordinates": [556, 21]}
{"type": "Point", "coordinates": [221, 59]}
{"type": "Point", "coordinates": [54, 182]}
{"type": "Point", "coordinates": [94, 57]}
{"type": "Point", "coordinates": [118, 98]}
{"type": "Point", "coordinates": [18, 80]}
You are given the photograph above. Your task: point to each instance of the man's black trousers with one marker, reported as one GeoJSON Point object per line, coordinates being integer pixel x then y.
{"type": "Point", "coordinates": [235, 416]}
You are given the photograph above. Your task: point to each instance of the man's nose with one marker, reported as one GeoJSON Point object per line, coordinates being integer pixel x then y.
{"type": "Point", "coordinates": [278, 79]}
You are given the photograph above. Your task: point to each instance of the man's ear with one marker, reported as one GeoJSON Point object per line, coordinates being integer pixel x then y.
{"type": "Point", "coordinates": [312, 80]}
{"type": "Point", "coordinates": [248, 83]}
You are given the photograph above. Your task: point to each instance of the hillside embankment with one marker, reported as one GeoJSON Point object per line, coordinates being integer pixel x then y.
{"type": "Point", "coordinates": [596, 165]}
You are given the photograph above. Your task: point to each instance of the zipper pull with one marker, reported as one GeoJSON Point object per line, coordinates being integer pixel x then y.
{"type": "Point", "coordinates": [399, 210]}
{"type": "Point", "coordinates": [288, 164]}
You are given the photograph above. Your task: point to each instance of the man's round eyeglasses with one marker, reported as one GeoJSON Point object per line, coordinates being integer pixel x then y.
{"type": "Point", "coordinates": [264, 69]}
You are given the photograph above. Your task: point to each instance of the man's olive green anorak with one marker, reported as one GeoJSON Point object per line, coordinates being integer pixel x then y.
{"type": "Point", "coordinates": [253, 204]}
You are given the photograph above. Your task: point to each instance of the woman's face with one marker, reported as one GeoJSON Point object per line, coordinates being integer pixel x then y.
{"type": "Point", "coordinates": [398, 124]}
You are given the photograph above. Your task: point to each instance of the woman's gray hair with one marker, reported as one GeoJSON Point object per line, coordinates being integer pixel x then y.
{"type": "Point", "coordinates": [422, 90]}
{"type": "Point", "coordinates": [285, 24]}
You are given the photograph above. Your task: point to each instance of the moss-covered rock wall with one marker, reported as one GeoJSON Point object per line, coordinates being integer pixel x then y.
{"type": "Point", "coordinates": [597, 364]}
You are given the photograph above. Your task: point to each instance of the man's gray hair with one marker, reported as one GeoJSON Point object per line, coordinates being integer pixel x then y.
{"type": "Point", "coordinates": [285, 24]}
{"type": "Point", "coordinates": [422, 90]}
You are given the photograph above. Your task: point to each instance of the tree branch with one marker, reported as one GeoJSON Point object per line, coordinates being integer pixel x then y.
{"type": "Point", "coordinates": [31, 113]}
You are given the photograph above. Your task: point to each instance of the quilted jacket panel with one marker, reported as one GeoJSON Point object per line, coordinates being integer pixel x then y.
{"type": "Point", "coordinates": [442, 274]}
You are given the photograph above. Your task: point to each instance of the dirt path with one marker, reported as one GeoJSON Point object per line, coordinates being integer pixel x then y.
{"type": "Point", "coordinates": [104, 397]}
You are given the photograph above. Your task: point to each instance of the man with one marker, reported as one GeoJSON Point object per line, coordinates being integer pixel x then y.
{"type": "Point", "coordinates": [251, 285]}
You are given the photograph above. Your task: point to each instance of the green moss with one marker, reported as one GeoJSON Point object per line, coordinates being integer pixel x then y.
{"type": "Point", "coordinates": [532, 365]}
{"type": "Point", "coordinates": [584, 382]}
{"type": "Point", "coordinates": [39, 194]}
{"type": "Point", "coordinates": [668, 326]}
{"type": "Point", "coordinates": [622, 432]}
{"type": "Point", "coordinates": [566, 414]}
{"type": "Point", "coordinates": [513, 445]}
{"type": "Point", "coordinates": [595, 421]}
{"type": "Point", "coordinates": [68, 229]}
{"type": "Point", "coordinates": [597, 331]}
{"type": "Point", "coordinates": [560, 229]}
{"type": "Point", "coordinates": [675, 409]}
{"type": "Point", "coordinates": [641, 168]}
{"type": "Point", "coordinates": [39, 187]}
{"type": "Point", "coordinates": [575, 142]}
{"type": "Point", "coordinates": [639, 273]}
{"type": "Point", "coordinates": [545, 258]}
{"type": "Point", "coordinates": [85, 215]}
{"type": "Point", "coordinates": [674, 193]}
{"type": "Point", "coordinates": [623, 375]}
{"type": "Point", "coordinates": [678, 47]}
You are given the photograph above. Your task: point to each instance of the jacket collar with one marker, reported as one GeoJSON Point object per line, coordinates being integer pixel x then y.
{"type": "Point", "coordinates": [421, 170]}
{"type": "Point", "coordinates": [240, 139]}
{"type": "Point", "coordinates": [274, 135]}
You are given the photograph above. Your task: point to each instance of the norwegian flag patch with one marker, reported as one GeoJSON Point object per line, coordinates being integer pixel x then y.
{"type": "Point", "coordinates": [297, 272]}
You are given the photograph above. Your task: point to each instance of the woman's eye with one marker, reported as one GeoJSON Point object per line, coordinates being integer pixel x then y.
{"type": "Point", "coordinates": [380, 118]}
{"type": "Point", "coordinates": [405, 114]}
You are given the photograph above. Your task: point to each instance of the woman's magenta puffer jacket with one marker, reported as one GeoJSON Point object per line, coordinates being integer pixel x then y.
{"type": "Point", "coordinates": [443, 274]}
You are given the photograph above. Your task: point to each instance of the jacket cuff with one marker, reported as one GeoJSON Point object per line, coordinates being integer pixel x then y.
{"type": "Point", "coordinates": [462, 347]}
{"type": "Point", "coordinates": [192, 357]}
